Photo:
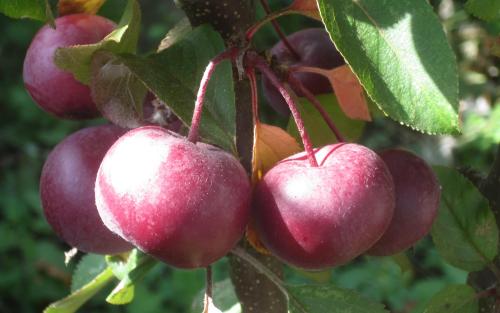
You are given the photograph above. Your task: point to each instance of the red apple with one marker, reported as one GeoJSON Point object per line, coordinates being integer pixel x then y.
{"type": "Point", "coordinates": [186, 204]}
{"type": "Point", "coordinates": [54, 90]}
{"type": "Point", "coordinates": [67, 190]}
{"type": "Point", "coordinates": [417, 202]}
{"type": "Point", "coordinates": [318, 217]}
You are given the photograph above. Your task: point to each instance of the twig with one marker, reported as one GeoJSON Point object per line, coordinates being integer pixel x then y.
{"type": "Point", "coordinates": [263, 67]}
{"type": "Point", "coordinates": [208, 301]}
{"type": "Point", "coordinates": [297, 85]}
{"type": "Point", "coordinates": [200, 97]}
{"type": "Point", "coordinates": [280, 32]}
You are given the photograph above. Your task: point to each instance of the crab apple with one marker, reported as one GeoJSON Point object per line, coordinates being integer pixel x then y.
{"type": "Point", "coordinates": [417, 201]}
{"type": "Point", "coordinates": [315, 49]}
{"type": "Point", "coordinates": [67, 190]}
{"type": "Point", "coordinates": [54, 90]}
{"type": "Point", "coordinates": [185, 203]}
{"type": "Point", "coordinates": [318, 217]}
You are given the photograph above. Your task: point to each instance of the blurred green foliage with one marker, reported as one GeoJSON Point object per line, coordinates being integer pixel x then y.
{"type": "Point", "coordinates": [32, 270]}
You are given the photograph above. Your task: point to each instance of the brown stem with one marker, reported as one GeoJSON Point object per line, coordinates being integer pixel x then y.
{"type": "Point", "coordinates": [231, 18]}
{"type": "Point", "coordinates": [208, 302]}
{"type": "Point", "coordinates": [280, 32]}
{"type": "Point", "coordinates": [268, 18]}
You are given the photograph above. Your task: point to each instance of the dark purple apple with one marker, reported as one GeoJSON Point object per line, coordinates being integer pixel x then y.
{"type": "Point", "coordinates": [186, 204]}
{"type": "Point", "coordinates": [54, 90]}
{"type": "Point", "coordinates": [417, 201]}
{"type": "Point", "coordinates": [318, 217]}
{"type": "Point", "coordinates": [67, 190]}
{"type": "Point", "coordinates": [316, 50]}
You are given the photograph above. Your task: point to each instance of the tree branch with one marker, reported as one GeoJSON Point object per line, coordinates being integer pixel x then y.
{"type": "Point", "coordinates": [231, 18]}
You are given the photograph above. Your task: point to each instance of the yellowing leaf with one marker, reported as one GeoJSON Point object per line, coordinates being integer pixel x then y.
{"type": "Point", "coordinates": [349, 93]}
{"type": "Point", "coordinates": [271, 144]}
{"type": "Point", "coordinates": [254, 240]}
{"type": "Point", "coordinates": [66, 7]}
{"type": "Point", "coordinates": [306, 7]}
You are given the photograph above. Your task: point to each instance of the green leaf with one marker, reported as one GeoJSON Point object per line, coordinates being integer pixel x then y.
{"type": "Point", "coordinates": [321, 299]}
{"type": "Point", "coordinates": [34, 9]}
{"type": "Point", "coordinates": [117, 92]}
{"type": "Point", "coordinates": [180, 29]}
{"type": "Point", "coordinates": [77, 59]}
{"type": "Point", "coordinates": [174, 75]}
{"type": "Point", "coordinates": [224, 298]}
{"type": "Point", "coordinates": [89, 267]}
{"type": "Point", "coordinates": [317, 128]}
{"type": "Point", "coordinates": [129, 271]}
{"type": "Point", "coordinates": [404, 263]}
{"type": "Point", "coordinates": [465, 232]}
{"type": "Point", "coordinates": [399, 52]}
{"type": "Point", "coordinates": [74, 301]}
{"type": "Point", "coordinates": [488, 10]}
{"type": "Point", "coordinates": [454, 299]}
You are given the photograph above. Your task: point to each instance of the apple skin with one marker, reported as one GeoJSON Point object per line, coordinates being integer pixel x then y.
{"type": "Point", "coordinates": [54, 90]}
{"type": "Point", "coordinates": [316, 50]}
{"type": "Point", "coordinates": [417, 202]}
{"type": "Point", "coordinates": [67, 190]}
{"type": "Point", "coordinates": [319, 217]}
{"type": "Point", "coordinates": [185, 204]}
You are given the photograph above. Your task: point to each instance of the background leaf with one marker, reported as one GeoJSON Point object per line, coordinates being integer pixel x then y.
{"type": "Point", "coordinates": [89, 267]}
{"type": "Point", "coordinates": [129, 271]}
{"type": "Point", "coordinates": [454, 299]}
{"type": "Point", "coordinates": [74, 301]}
{"type": "Point", "coordinates": [401, 57]}
{"type": "Point", "coordinates": [117, 92]}
{"type": "Point", "coordinates": [77, 59]}
{"type": "Point", "coordinates": [180, 29]}
{"type": "Point", "coordinates": [34, 9]}
{"type": "Point", "coordinates": [321, 299]}
{"type": "Point", "coordinates": [465, 232]}
{"type": "Point", "coordinates": [224, 298]}
{"type": "Point", "coordinates": [174, 75]}
{"type": "Point", "coordinates": [488, 10]}
{"type": "Point", "coordinates": [318, 130]}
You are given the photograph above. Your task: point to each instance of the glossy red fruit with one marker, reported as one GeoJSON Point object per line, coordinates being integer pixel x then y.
{"type": "Point", "coordinates": [186, 204]}
{"type": "Point", "coordinates": [318, 217]}
{"type": "Point", "coordinates": [417, 202]}
{"type": "Point", "coordinates": [67, 190]}
{"type": "Point", "coordinates": [316, 50]}
{"type": "Point", "coordinates": [54, 90]}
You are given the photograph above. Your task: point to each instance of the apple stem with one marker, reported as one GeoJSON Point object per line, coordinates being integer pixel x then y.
{"type": "Point", "coordinates": [268, 18]}
{"type": "Point", "coordinates": [296, 84]}
{"type": "Point", "coordinates": [208, 301]}
{"type": "Point", "coordinates": [200, 97]}
{"type": "Point", "coordinates": [264, 68]}
{"type": "Point", "coordinates": [279, 31]}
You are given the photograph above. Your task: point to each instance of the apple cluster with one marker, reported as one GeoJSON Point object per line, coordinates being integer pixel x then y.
{"type": "Point", "coordinates": [105, 189]}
